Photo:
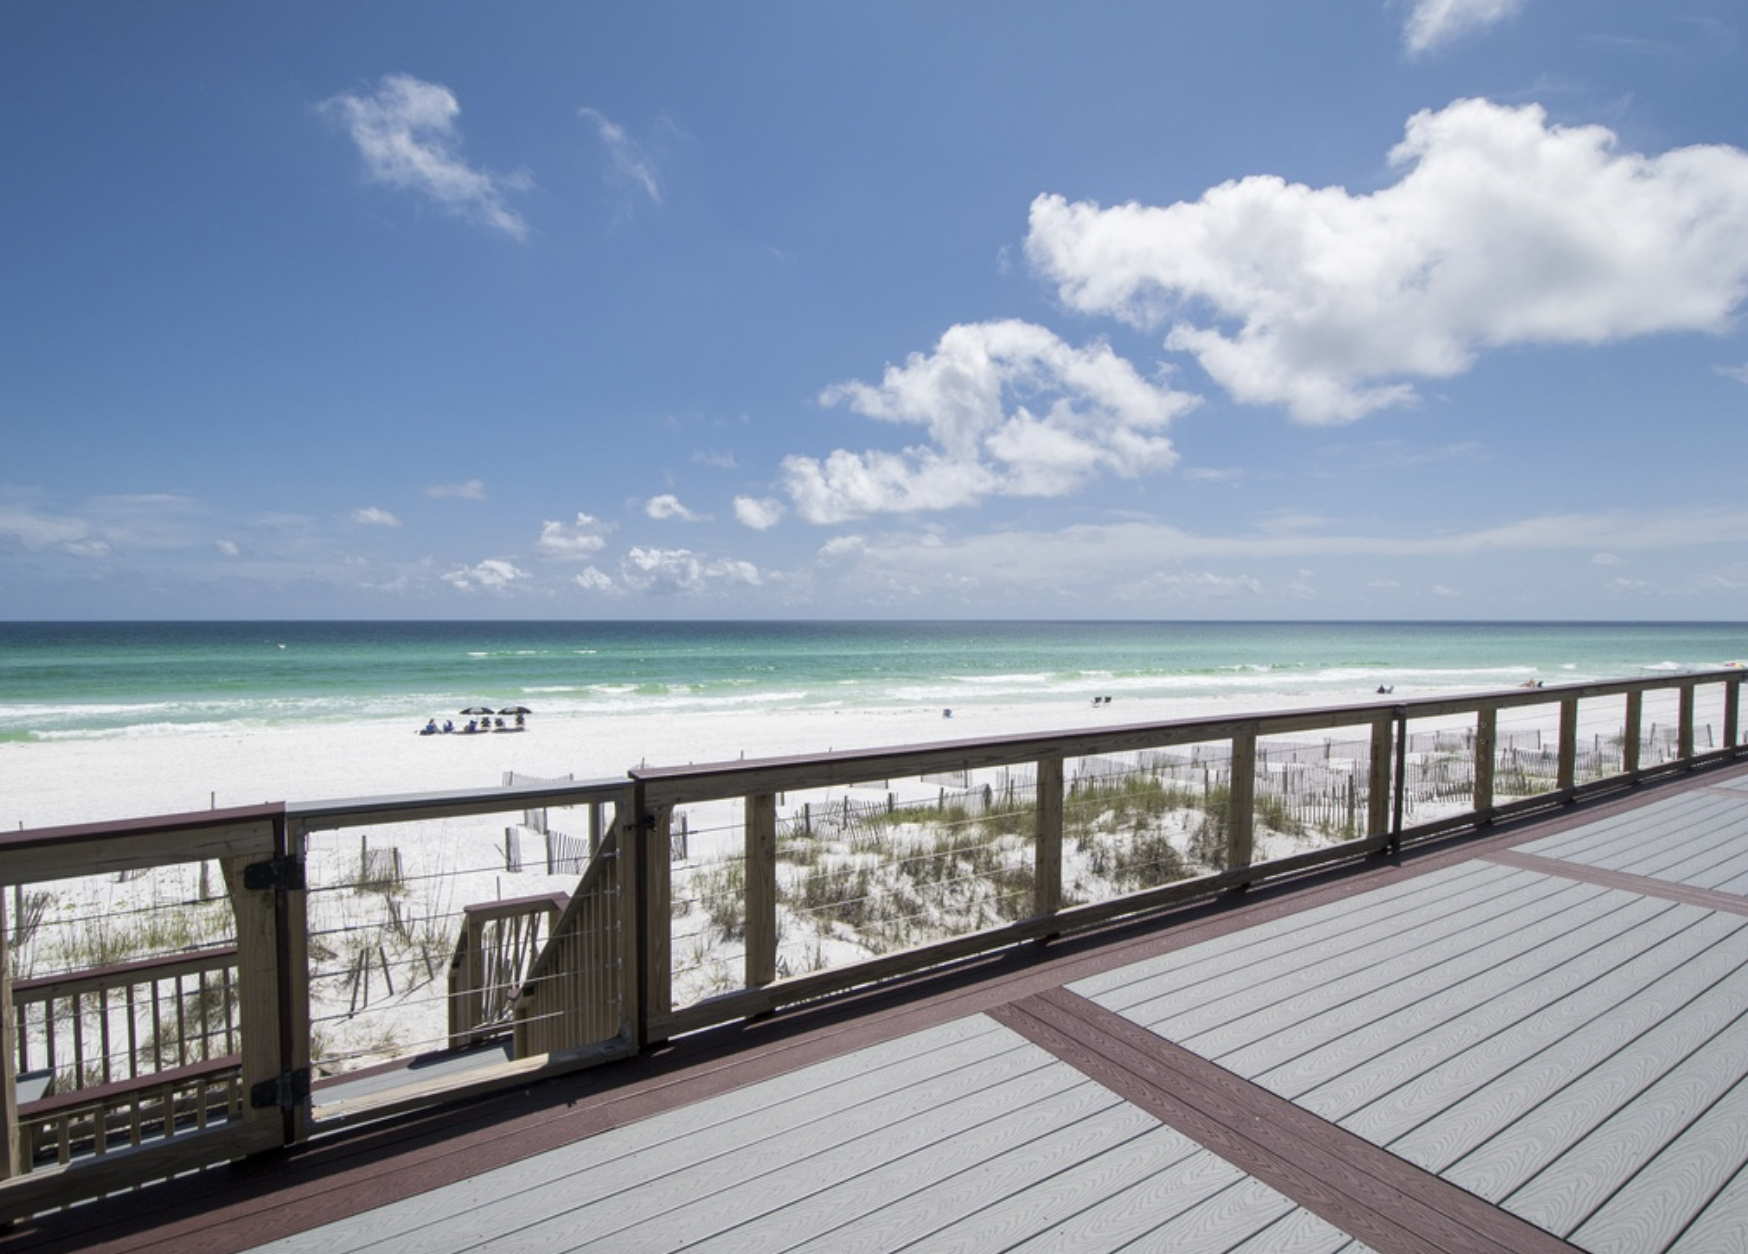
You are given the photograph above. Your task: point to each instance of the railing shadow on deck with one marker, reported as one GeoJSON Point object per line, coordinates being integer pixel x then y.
{"type": "Point", "coordinates": [191, 989]}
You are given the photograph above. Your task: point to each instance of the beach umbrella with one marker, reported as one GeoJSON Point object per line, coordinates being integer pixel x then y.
{"type": "Point", "coordinates": [515, 709]}
{"type": "Point", "coordinates": [479, 709]}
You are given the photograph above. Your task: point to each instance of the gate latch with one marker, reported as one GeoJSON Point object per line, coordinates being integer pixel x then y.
{"type": "Point", "coordinates": [286, 872]}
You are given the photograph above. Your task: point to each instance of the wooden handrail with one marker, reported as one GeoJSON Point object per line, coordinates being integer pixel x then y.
{"type": "Point", "coordinates": [100, 1095]}
{"type": "Point", "coordinates": [95, 979]}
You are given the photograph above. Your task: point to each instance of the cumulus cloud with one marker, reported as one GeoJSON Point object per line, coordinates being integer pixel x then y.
{"type": "Point", "coordinates": [667, 572]}
{"type": "Point", "coordinates": [759, 513]}
{"type": "Point", "coordinates": [371, 516]}
{"type": "Point", "coordinates": [1009, 410]}
{"type": "Point", "coordinates": [1502, 230]}
{"type": "Point", "coordinates": [580, 539]}
{"type": "Point", "coordinates": [632, 166]}
{"type": "Point", "coordinates": [1432, 23]}
{"type": "Point", "coordinates": [492, 575]}
{"type": "Point", "coordinates": [667, 507]}
{"type": "Point", "coordinates": [593, 580]}
{"type": "Point", "coordinates": [406, 133]}
{"type": "Point", "coordinates": [472, 490]}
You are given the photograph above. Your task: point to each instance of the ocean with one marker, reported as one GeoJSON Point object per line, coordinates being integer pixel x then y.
{"type": "Point", "coordinates": [101, 680]}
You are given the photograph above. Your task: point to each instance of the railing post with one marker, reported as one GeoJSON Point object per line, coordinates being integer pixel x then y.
{"type": "Point", "coordinates": [1684, 736]}
{"type": "Point", "coordinates": [1486, 755]}
{"type": "Point", "coordinates": [1379, 785]}
{"type": "Point", "coordinates": [761, 880]}
{"type": "Point", "coordinates": [1401, 789]}
{"type": "Point", "coordinates": [1732, 711]}
{"type": "Point", "coordinates": [621, 946]}
{"type": "Point", "coordinates": [273, 990]}
{"type": "Point", "coordinates": [1632, 732]}
{"type": "Point", "coordinates": [655, 904]}
{"type": "Point", "coordinates": [1567, 769]}
{"type": "Point", "coordinates": [1241, 802]}
{"type": "Point", "coordinates": [9, 1163]}
{"type": "Point", "coordinates": [1047, 851]}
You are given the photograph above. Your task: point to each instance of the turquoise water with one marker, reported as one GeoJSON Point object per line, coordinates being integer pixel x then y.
{"type": "Point", "coordinates": [106, 679]}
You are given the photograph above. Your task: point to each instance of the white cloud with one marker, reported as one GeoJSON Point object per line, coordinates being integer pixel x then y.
{"type": "Point", "coordinates": [1074, 413]}
{"type": "Point", "coordinates": [472, 490]}
{"type": "Point", "coordinates": [667, 507]}
{"type": "Point", "coordinates": [842, 546]}
{"type": "Point", "coordinates": [32, 530]}
{"type": "Point", "coordinates": [371, 516]}
{"type": "Point", "coordinates": [761, 514]}
{"type": "Point", "coordinates": [1085, 555]}
{"type": "Point", "coordinates": [492, 575]}
{"type": "Point", "coordinates": [1435, 22]}
{"type": "Point", "coordinates": [580, 539]}
{"type": "Point", "coordinates": [593, 580]}
{"type": "Point", "coordinates": [1503, 230]}
{"type": "Point", "coordinates": [407, 135]}
{"type": "Point", "coordinates": [229, 548]}
{"type": "Point", "coordinates": [675, 571]}
{"type": "Point", "coordinates": [631, 164]}
{"type": "Point", "coordinates": [1738, 373]}
{"type": "Point", "coordinates": [1198, 586]}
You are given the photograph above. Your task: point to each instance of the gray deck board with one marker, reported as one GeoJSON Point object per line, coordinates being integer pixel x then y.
{"type": "Point", "coordinates": [1568, 1091]}
{"type": "Point", "coordinates": [1209, 988]}
{"type": "Point", "coordinates": [951, 1061]}
{"type": "Point", "coordinates": [1723, 1225]}
{"type": "Point", "coordinates": [1656, 1205]}
{"type": "Point", "coordinates": [949, 1138]}
{"type": "Point", "coordinates": [1211, 1227]}
{"type": "Point", "coordinates": [1619, 834]}
{"type": "Point", "coordinates": [1137, 1185]}
{"type": "Point", "coordinates": [1396, 996]}
{"type": "Point", "coordinates": [988, 1200]}
{"type": "Point", "coordinates": [1563, 1195]}
{"type": "Point", "coordinates": [1300, 1233]}
{"type": "Point", "coordinates": [1453, 1106]}
{"type": "Point", "coordinates": [1697, 839]}
{"type": "Point", "coordinates": [1342, 1074]}
{"type": "Point", "coordinates": [1382, 912]}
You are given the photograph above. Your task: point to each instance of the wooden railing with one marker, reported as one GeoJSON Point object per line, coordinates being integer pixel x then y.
{"type": "Point", "coordinates": [126, 1053]}
{"type": "Point", "coordinates": [166, 1120]}
{"type": "Point", "coordinates": [787, 889]}
{"type": "Point", "coordinates": [581, 990]}
{"type": "Point", "coordinates": [498, 946]}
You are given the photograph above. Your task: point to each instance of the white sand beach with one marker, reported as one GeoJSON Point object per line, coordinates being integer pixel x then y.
{"type": "Point", "coordinates": [99, 778]}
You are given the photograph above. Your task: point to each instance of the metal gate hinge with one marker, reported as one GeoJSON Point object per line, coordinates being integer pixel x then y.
{"type": "Point", "coordinates": [287, 1090]}
{"type": "Point", "coordinates": [286, 872]}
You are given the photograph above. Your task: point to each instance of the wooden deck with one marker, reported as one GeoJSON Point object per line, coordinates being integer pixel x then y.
{"type": "Point", "coordinates": [1536, 1039]}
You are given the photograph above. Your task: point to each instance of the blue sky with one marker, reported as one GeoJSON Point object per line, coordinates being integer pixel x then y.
{"type": "Point", "coordinates": [1366, 309]}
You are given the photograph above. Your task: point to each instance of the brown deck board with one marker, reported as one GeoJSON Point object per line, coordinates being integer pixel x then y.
{"type": "Point", "coordinates": [1384, 1201]}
